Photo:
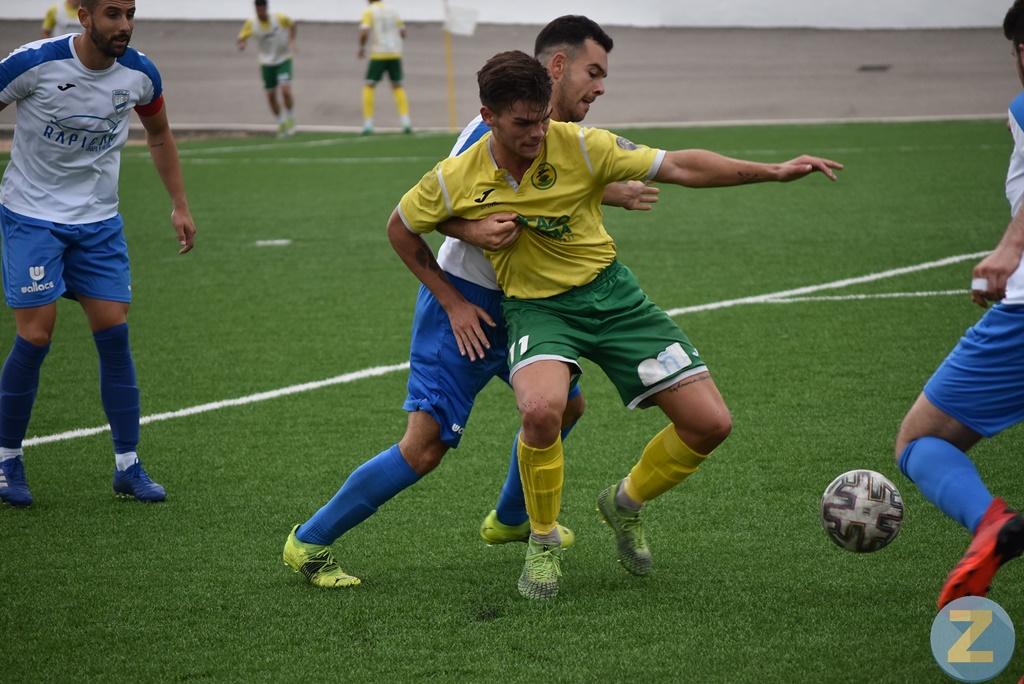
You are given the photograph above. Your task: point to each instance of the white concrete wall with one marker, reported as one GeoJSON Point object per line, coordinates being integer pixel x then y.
{"type": "Point", "coordinates": [842, 14]}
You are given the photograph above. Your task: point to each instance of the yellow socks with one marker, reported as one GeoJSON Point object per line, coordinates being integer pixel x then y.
{"type": "Point", "coordinates": [368, 102]}
{"type": "Point", "coordinates": [542, 472]}
{"type": "Point", "coordinates": [402, 101]}
{"type": "Point", "coordinates": [666, 462]}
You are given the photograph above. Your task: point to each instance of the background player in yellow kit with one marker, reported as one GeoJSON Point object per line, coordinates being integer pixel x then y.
{"type": "Point", "coordinates": [384, 30]}
{"type": "Point", "coordinates": [275, 34]}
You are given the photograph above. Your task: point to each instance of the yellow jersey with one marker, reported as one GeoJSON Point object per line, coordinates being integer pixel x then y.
{"type": "Point", "coordinates": [563, 243]}
{"type": "Point", "coordinates": [272, 36]}
{"type": "Point", "coordinates": [385, 27]}
{"type": "Point", "coordinates": [61, 19]}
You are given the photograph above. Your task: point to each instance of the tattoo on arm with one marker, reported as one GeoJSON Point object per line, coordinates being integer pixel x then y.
{"type": "Point", "coordinates": [426, 259]}
{"type": "Point", "coordinates": [747, 177]}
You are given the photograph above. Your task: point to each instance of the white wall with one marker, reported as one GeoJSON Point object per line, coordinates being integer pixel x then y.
{"type": "Point", "coordinates": [852, 14]}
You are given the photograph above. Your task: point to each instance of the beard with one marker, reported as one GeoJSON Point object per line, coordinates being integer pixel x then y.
{"type": "Point", "coordinates": [105, 44]}
{"type": "Point", "coordinates": [567, 107]}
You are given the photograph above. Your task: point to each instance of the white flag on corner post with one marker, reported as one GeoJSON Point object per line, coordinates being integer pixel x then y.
{"type": "Point", "coordinates": [460, 21]}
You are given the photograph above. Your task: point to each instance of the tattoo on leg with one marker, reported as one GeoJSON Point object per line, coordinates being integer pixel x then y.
{"type": "Point", "coordinates": [689, 381]}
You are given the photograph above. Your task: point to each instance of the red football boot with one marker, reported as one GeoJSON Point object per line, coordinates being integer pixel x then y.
{"type": "Point", "coordinates": [999, 538]}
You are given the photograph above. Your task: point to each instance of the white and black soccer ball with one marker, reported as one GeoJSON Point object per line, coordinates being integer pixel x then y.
{"type": "Point", "coordinates": [862, 511]}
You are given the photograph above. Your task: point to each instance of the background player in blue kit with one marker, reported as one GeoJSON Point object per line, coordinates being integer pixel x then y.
{"type": "Point", "coordinates": [59, 222]}
{"type": "Point", "coordinates": [978, 390]}
{"type": "Point", "coordinates": [449, 363]}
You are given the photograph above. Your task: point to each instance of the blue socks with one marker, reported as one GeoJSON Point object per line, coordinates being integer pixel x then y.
{"type": "Point", "coordinates": [19, 382]}
{"type": "Point", "coordinates": [947, 478]}
{"type": "Point", "coordinates": [511, 506]}
{"type": "Point", "coordinates": [366, 489]}
{"type": "Point", "coordinates": [118, 391]}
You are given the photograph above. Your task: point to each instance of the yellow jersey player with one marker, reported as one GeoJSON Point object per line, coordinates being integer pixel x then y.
{"type": "Point", "coordinates": [384, 30]}
{"type": "Point", "coordinates": [62, 18]}
{"type": "Point", "coordinates": [567, 296]}
{"type": "Point", "coordinates": [275, 34]}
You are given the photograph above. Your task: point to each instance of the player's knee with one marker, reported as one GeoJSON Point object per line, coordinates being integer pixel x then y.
{"type": "Point", "coordinates": [710, 434]}
{"type": "Point", "coordinates": [720, 431]}
{"type": "Point", "coordinates": [542, 421]}
{"type": "Point", "coordinates": [424, 457]}
{"type": "Point", "coordinates": [36, 336]}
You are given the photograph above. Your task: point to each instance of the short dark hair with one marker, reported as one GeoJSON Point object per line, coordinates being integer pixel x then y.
{"type": "Point", "coordinates": [90, 5]}
{"type": "Point", "coordinates": [261, 3]}
{"type": "Point", "coordinates": [511, 77]}
{"type": "Point", "coordinates": [568, 34]}
{"type": "Point", "coordinates": [1013, 24]}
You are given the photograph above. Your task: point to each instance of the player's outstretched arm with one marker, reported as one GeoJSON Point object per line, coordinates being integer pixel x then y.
{"type": "Point", "coordinates": [704, 169]}
{"type": "Point", "coordinates": [494, 233]}
{"type": "Point", "coordinates": [633, 195]}
{"type": "Point", "coordinates": [165, 158]}
{"type": "Point", "coordinates": [988, 280]}
{"type": "Point", "coordinates": [465, 317]}
{"type": "Point", "coordinates": [243, 35]}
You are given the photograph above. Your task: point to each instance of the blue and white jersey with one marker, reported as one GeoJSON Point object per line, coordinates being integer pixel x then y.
{"type": "Point", "coordinates": [70, 126]}
{"type": "Point", "coordinates": [460, 258]}
{"type": "Point", "coordinates": [1015, 192]}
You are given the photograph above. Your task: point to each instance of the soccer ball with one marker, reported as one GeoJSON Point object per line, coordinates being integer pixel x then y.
{"type": "Point", "coordinates": [862, 511]}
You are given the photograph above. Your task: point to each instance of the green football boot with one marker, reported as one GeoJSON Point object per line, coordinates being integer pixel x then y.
{"type": "Point", "coordinates": [316, 563]}
{"type": "Point", "coordinates": [541, 571]}
{"type": "Point", "coordinates": [493, 532]}
{"type": "Point", "coordinates": [628, 529]}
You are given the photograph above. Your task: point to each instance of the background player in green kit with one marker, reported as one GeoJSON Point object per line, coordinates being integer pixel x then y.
{"type": "Point", "coordinates": [566, 296]}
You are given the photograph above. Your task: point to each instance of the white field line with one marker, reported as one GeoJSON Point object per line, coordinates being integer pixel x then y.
{"type": "Point", "coordinates": [198, 157]}
{"type": "Point", "coordinates": [241, 401]}
{"type": "Point", "coordinates": [853, 297]}
{"type": "Point", "coordinates": [361, 161]}
{"type": "Point", "coordinates": [770, 298]}
{"type": "Point", "coordinates": [783, 297]}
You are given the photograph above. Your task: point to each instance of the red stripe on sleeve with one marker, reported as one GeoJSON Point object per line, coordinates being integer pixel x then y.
{"type": "Point", "coordinates": [151, 108]}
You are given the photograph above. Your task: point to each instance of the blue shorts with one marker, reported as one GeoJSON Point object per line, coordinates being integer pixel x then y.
{"type": "Point", "coordinates": [442, 382]}
{"type": "Point", "coordinates": [43, 260]}
{"type": "Point", "coordinates": [981, 382]}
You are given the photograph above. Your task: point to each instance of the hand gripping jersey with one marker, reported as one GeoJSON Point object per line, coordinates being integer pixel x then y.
{"type": "Point", "coordinates": [459, 258]}
{"type": "Point", "coordinates": [1015, 192]}
{"type": "Point", "coordinates": [272, 38]}
{"type": "Point", "coordinates": [385, 31]}
{"type": "Point", "coordinates": [70, 126]}
{"type": "Point", "coordinates": [564, 243]}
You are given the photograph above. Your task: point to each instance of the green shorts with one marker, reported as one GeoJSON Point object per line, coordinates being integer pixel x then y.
{"type": "Point", "coordinates": [375, 71]}
{"type": "Point", "coordinates": [611, 322]}
{"type": "Point", "coordinates": [276, 74]}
